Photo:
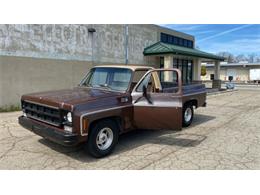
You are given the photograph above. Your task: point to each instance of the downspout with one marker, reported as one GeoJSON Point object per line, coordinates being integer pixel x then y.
{"type": "Point", "coordinates": [126, 44]}
{"type": "Point", "coordinates": [91, 32]}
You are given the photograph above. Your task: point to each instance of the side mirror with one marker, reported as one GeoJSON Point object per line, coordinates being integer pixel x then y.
{"type": "Point", "coordinates": [144, 91]}
{"type": "Point", "coordinates": [147, 97]}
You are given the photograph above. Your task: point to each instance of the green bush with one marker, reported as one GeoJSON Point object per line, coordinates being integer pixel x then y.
{"type": "Point", "coordinates": [203, 71]}
{"type": "Point", "coordinates": [10, 108]}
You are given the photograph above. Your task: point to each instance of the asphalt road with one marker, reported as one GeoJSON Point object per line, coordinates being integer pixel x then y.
{"type": "Point", "coordinates": [242, 86]}
{"type": "Point", "coordinates": [224, 135]}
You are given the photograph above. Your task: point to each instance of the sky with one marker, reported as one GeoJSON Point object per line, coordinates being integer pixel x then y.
{"type": "Point", "coordinates": [234, 38]}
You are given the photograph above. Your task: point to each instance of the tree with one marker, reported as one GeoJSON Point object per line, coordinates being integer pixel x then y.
{"type": "Point", "coordinates": [241, 57]}
{"type": "Point", "coordinates": [257, 59]}
{"type": "Point", "coordinates": [251, 57]}
{"type": "Point", "coordinates": [228, 56]}
{"type": "Point", "coordinates": [203, 71]}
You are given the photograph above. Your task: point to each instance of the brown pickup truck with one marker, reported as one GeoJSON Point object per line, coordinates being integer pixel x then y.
{"type": "Point", "coordinates": [109, 101]}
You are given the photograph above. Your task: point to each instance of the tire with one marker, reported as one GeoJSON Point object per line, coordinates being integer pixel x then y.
{"type": "Point", "coordinates": [102, 139]}
{"type": "Point", "coordinates": [187, 115]}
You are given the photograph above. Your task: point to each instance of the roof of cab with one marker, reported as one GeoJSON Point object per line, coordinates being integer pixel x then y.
{"type": "Point", "coordinates": [132, 67]}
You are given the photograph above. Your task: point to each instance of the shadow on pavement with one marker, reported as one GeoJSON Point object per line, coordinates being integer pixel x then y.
{"type": "Point", "coordinates": [200, 119]}
{"type": "Point", "coordinates": [134, 139]}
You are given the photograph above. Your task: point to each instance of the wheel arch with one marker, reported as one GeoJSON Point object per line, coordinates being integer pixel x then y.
{"type": "Point", "coordinates": [117, 119]}
{"type": "Point", "coordinates": [193, 102]}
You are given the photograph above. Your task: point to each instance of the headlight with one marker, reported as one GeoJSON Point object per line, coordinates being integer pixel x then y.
{"type": "Point", "coordinates": [69, 117]}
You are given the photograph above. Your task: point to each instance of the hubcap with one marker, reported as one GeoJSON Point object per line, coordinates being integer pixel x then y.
{"type": "Point", "coordinates": [104, 138]}
{"type": "Point", "coordinates": [187, 114]}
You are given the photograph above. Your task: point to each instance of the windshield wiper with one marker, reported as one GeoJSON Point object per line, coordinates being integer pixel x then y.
{"type": "Point", "coordinates": [85, 85]}
{"type": "Point", "coordinates": [98, 85]}
{"type": "Point", "coordinates": [104, 86]}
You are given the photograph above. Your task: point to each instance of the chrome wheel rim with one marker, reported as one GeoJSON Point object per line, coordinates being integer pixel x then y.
{"type": "Point", "coordinates": [104, 138]}
{"type": "Point", "coordinates": [187, 114]}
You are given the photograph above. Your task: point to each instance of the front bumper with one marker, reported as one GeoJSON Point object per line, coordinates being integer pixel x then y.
{"type": "Point", "coordinates": [63, 138]}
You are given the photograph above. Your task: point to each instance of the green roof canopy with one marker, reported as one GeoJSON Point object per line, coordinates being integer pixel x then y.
{"type": "Point", "coordinates": [164, 48]}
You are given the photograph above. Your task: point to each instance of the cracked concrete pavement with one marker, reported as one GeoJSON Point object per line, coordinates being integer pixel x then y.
{"type": "Point", "coordinates": [224, 135]}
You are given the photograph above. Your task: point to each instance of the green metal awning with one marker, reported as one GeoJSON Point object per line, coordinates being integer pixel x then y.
{"type": "Point", "coordinates": [164, 48]}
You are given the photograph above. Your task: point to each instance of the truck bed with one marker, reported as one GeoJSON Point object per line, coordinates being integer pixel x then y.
{"type": "Point", "coordinates": [190, 88]}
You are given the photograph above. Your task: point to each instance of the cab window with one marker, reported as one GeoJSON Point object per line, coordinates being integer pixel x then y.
{"type": "Point", "coordinates": [155, 83]}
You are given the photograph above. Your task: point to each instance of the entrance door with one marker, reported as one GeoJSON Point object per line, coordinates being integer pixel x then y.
{"type": "Point", "coordinates": [157, 102]}
{"type": "Point", "coordinates": [232, 73]}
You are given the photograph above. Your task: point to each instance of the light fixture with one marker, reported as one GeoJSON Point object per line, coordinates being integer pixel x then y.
{"type": "Point", "coordinates": [91, 30]}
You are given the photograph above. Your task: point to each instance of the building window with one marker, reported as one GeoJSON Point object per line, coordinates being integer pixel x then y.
{"type": "Point", "coordinates": [170, 39]}
{"type": "Point", "coordinates": [190, 44]}
{"type": "Point", "coordinates": [185, 71]}
{"type": "Point", "coordinates": [161, 66]}
{"type": "Point", "coordinates": [164, 38]}
{"type": "Point", "coordinates": [161, 62]}
{"type": "Point", "coordinates": [175, 63]}
{"type": "Point", "coordinates": [180, 42]}
{"type": "Point", "coordinates": [175, 40]}
{"type": "Point", "coordinates": [186, 68]}
{"type": "Point", "coordinates": [180, 65]}
{"type": "Point", "coordinates": [185, 43]}
{"type": "Point", "coordinates": [190, 70]}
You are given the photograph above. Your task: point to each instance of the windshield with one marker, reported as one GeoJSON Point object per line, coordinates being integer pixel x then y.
{"type": "Point", "coordinates": [117, 79]}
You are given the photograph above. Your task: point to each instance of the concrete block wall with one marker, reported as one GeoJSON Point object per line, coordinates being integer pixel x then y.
{"type": "Point", "coordinates": [74, 42]}
{"type": "Point", "coordinates": [20, 75]}
{"type": "Point", "coordinates": [46, 57]}
{"type": "Point", "coordinates": [241, 72]}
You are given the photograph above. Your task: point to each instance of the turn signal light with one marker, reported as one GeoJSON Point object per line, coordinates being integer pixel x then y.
{"type": "Point", "coordinates": [85, 124]}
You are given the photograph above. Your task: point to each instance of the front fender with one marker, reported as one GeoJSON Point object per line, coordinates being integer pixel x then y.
{"type": "Point", "coordinates": [122, 112]}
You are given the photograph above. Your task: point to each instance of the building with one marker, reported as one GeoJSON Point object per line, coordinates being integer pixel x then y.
{"type": "Point", "coordinates": [239, 71]}
{"type": "Point", "coordinates": [47, 57]}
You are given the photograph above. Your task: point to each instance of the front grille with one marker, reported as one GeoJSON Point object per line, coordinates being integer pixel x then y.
{"type": "Point", "coordinates": [42, 113]}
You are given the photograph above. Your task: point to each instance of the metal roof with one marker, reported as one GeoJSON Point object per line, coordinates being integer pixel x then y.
{"type": "Point", "coordinates": [164, 48]}
{"type": "Point", "coordinates": [132, 67]}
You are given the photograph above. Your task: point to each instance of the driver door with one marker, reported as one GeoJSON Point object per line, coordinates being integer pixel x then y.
{"type": "Point", "coordinates": [157, 100]}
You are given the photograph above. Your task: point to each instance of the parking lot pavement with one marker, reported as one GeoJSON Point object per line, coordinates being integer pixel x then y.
{"type": "Point", "coordinates": [224, 135]}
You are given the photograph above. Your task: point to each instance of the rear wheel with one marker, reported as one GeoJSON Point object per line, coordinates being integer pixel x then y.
{"type": "Point", "coordinates": [102, 138]}
{"type": "Point", "coordinates": [187, 115]}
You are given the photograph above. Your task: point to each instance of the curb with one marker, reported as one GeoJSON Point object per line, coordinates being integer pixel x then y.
{"type": "Point", "coordinates": [221, 92]}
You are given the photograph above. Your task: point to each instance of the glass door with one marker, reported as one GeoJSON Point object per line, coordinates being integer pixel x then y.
{"type": "Point", "coordinates": [185, 66]}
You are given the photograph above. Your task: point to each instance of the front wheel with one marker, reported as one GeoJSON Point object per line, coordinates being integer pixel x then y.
{"type": "Point", "coordinates": [102, 138]}
{"type": "Point", "coordinates": [187, 115]}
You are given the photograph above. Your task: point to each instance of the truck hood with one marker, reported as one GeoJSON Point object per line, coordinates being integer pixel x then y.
{"type": "Point", "coordinates": [68, 98]}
